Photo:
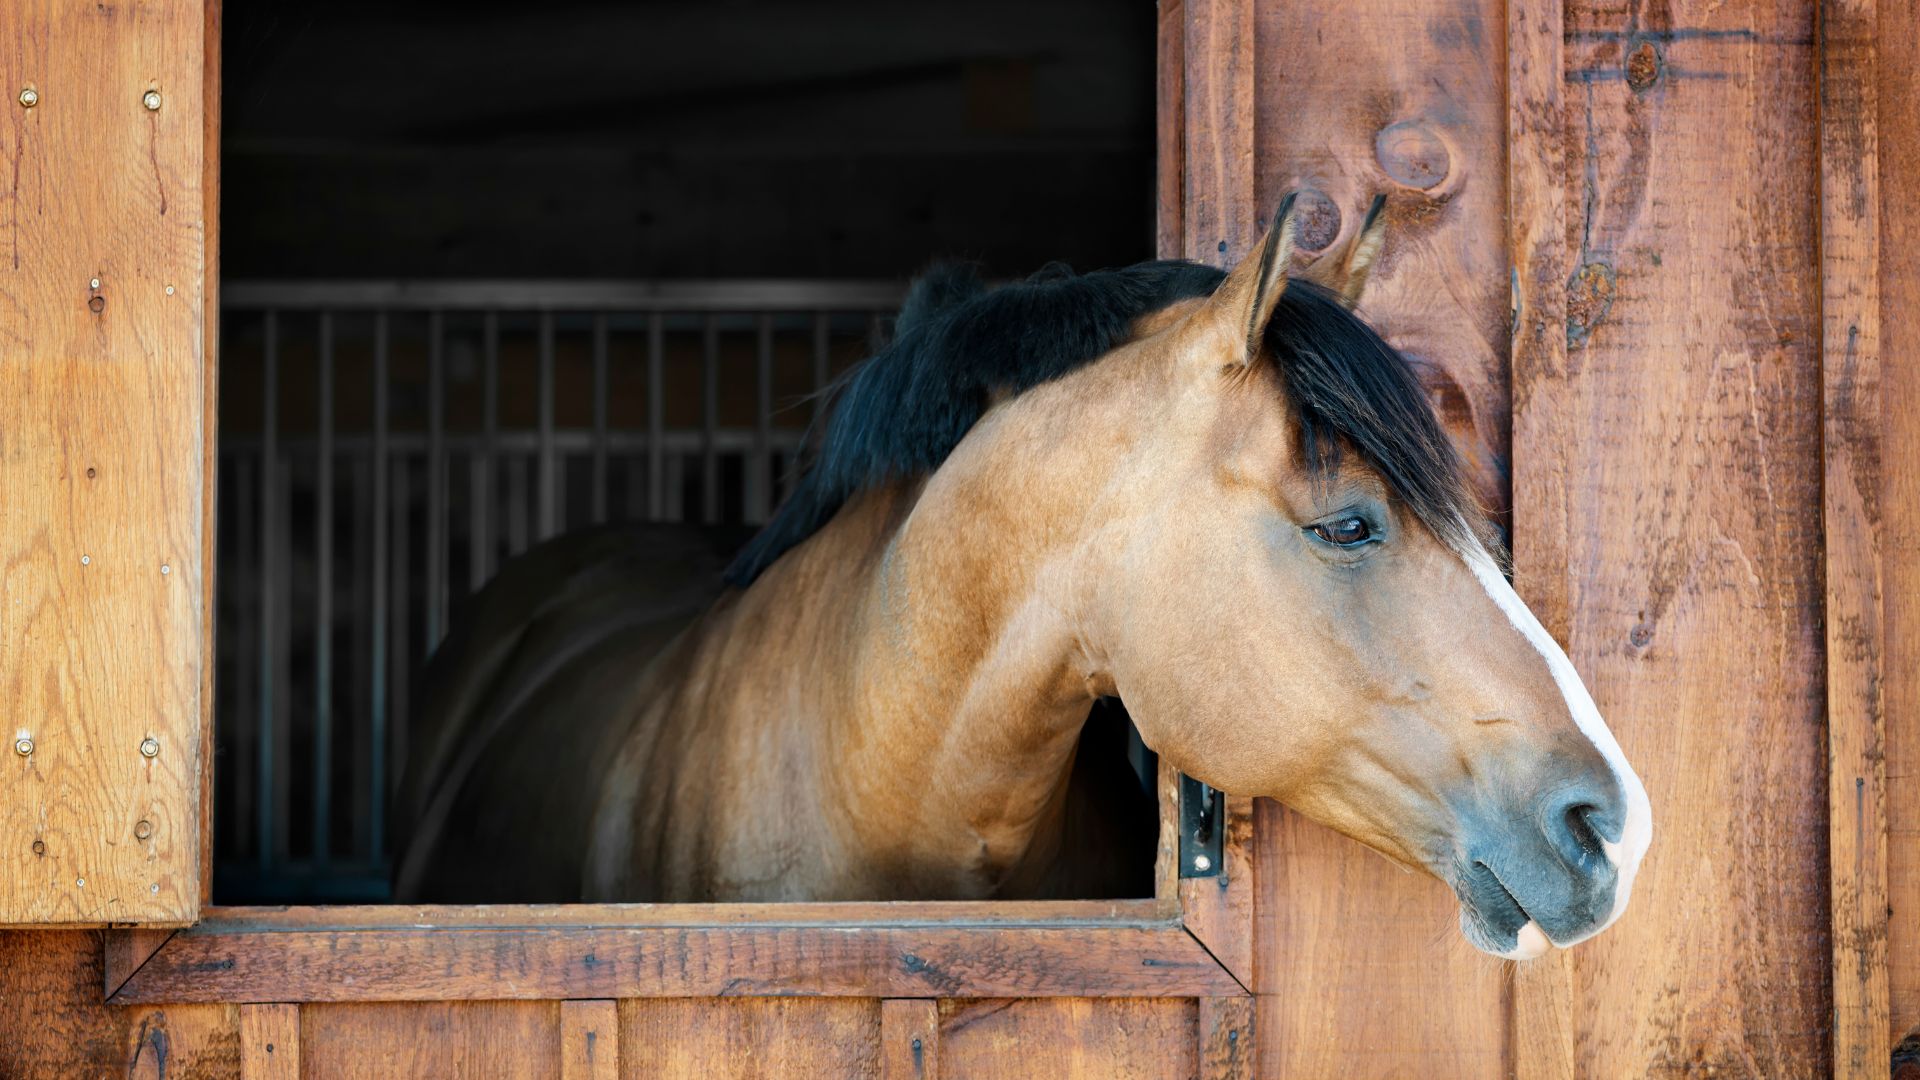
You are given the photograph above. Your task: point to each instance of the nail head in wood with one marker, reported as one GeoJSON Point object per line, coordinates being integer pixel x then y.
{"type": "Point", "coordinates": [29, 97]}
{"type": "Point", "coordinates": [150, 747]}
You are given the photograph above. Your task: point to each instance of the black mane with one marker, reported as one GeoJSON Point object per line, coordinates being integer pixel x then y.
{"type": "Point", "coordinates": [958, 343]}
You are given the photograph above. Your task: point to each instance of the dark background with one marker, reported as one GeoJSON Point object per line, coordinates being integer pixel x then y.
{"type": "Point", "coordinates": [732, 138]}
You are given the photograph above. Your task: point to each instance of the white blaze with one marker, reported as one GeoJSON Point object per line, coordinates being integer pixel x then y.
{"type": "Point", "coordinates": [1637, 832]}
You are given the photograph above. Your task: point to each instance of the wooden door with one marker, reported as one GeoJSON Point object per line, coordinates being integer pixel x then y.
{"type": "Point", "coordinates": [106, 430]}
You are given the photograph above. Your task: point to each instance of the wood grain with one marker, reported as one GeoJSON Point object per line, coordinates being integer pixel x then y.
{"type": "Point", "coordinates": [55, 1023]}
{"type": "Point", "coordinates": [270, 1042]}
{"type": "Point", "coordinates": [750, 1037]}
{"type": "Point", "coordinates": [1219, 223]}
{"type": "Point", "coordinates": [1899, 253]}
{"type": "Point", "coordinates": [1225, 1029]}
{"type": "Point", "coordinates": [909, 1039]}
{"type": "Point", "coordinates": [589, 1040]}
{"type": "Point", "coordinates": [1359, 965]}
{"type": "Point", "coordinates": [1852, 433]}
{"type": "Point", "coordinates": [469, 1040]}
{"type": "Point", "coordinates": [103, 401]}
{"type": "Point", "coordinates": [1667, 489]}
{"type": "Point", "coordinates": [1219, 909]}
{"type": "Point", "coordinates": [433, 964]}
{"type": "Point", "coordinates": [1067, 1039]}
{"type": "Point", "coordinates": [126, 950]}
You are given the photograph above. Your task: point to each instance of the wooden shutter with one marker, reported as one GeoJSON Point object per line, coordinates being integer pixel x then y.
{"type": "Point", "coordinates": [107, 184]}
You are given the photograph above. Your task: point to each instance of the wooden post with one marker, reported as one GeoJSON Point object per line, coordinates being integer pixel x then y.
{"type": "Point", "coordinates": [270, 1042]}
{"type": "Point", "coordinates": [106, 480]}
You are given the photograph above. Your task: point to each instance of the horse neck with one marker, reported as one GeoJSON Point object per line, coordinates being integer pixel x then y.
{"type": "Point", "coordinates": [970, 683]}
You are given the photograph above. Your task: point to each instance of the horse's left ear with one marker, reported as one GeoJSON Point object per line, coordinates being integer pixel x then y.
{"type": "Point", "coordinates": [1345, 271]}
{"type": "Point", "coordinates": [1244, 302]}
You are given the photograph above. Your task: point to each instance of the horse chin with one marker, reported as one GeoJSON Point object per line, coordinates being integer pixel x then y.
{"type": "Point", "coordinates": [1526, 943]}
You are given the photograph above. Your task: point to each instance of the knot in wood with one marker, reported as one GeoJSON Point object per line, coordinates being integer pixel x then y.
{"type": "Point", "coordinates": [1412, 154]}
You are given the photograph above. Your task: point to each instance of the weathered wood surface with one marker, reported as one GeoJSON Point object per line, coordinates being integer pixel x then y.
{"type": "Point", "coordinates": [455, 1041]}
{"type": "Point", "coordinates": [1852, 411]}
{"type": "Point", "coordinates": [235, 964]}
{"type": "Point", "coordinates": [910, 1039]}
{"type": "Point", "coordinates": [1667, 497]}
{"type": "Point", "coordinates": [54, 1021]}
{"type": "Point", "coordinates": [1898, 77]}
{"type": "Point", "coordinates": [270, 1042]}
{"type": "Point", "coordinates": [1067, 1038]}
{"type": "Point", "coordinates": [589, 1040]}
{"type": "Point", "coordinates": [103, 473]}
{"type": "Point", "coordinates": [751, 1037]}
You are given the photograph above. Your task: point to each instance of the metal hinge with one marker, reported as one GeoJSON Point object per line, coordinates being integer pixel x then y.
{"type": "Point", "coordinates": [1202, 825]}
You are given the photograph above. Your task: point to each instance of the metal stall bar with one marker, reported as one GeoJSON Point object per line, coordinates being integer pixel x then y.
{"type": "Point", "coordinates": [600, 479]}
{"type": "Point", "coordinates": [760, 491]}
{"type": "Point", "coordinates": [323, 607]}
{"type": "Point", "coordinates": [377, 700]}
{"type": "Point", "coordinates": [436, 612]}
{"type": "Point", "coordinates": [544, 480]}
{"type": "Point", "coordinates": [481, 541]}
{"type": "Point", "coordinates": [265, 809]}
{"type": "Point", "coordinates": [709, 420]}
{"type": "Point", "coordinates": [656, 417]}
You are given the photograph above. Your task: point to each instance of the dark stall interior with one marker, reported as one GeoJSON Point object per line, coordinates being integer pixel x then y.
{"type": "Point", "coordinates": [492, 272]}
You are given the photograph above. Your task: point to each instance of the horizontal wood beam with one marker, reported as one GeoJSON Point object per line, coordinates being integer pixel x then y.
{"type": "Point", "coordinates": [410, 963]}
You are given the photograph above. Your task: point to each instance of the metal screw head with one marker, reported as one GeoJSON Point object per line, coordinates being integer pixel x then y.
{"type": "Point", "coordinates": [165, 569]}
{"type": "Point", "coordinates": [150, 747]}
{"type": "Point", "coordinates": [169, 290]}
{"type": "Point", "coordinates": [80, 882]}
{"type": "Point", "coordinates": [154, 888]}
{"type": "Point", "coordinates": [29, 97]}
{"type": "Point", "coordinates": [1202, 863]}
{"type": "Point", "coordinates": [151, 99]}
{"type": "Point", "coordinates": [86, 560]}
{"type": "Point", "coordinates": [23, 746]}
{"type": "Point", "coordinates": [142, 829]}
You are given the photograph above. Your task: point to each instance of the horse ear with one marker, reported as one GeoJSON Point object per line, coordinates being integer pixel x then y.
{"type": "Point", "coordinates": [1345, 272]}
{"type": "Point", "coordinates": [1245, 301]}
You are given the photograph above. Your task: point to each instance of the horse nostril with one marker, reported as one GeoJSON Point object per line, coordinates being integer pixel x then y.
{"type": "Point", "coordinates": [1580, 826]}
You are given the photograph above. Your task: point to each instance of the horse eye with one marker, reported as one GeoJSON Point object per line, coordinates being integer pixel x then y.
{"type": "Point", "coordinates": [1347, 532]}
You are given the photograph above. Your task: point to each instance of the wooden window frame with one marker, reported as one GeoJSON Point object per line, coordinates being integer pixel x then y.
{"type": "Point", "coordinates": [1192, 938]}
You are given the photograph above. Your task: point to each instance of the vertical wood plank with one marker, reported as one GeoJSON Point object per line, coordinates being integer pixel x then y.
{"type": "Point", "coordinates": [1224, 1028]}
{"type": "Point", "coordinates": [210, 100]}
{"type": "Point", "coordinates": [1898, 77]}
{"type": "Point", "coordinates": [589, 1040]}
{"type": "Point", "coordinates": [909, 1039]}
{"type": "Point", "coordinates": [706, 1039]}
{"type": "Point", "coordinates": [1068, 1039]}
{"type": "Point", "coordinates": [1541, 1025]}
{"type": "Point", "coordinates": [1170, 155]}
{"type": "Point", "coordinates": [104, 479]}
{"type": "Point", "coordinates": [269, 1042]}
{"type": "Point", "coordinates": [1852, 432]}
{"type": "Point", "coordinates": [458, 1040]}
{"type": "Point", "coordinates": [1668, 485]}
{"type": "Point", "coordinates": [1219, 221]}
{"type": "Point", "coordinates": [1360, 967]}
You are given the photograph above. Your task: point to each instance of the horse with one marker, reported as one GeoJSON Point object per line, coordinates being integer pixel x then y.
{"type": "Point", "coordinates": [1218, 497]}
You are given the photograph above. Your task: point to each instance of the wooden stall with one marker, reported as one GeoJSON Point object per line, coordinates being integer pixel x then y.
{"type": "Point", "coordinates": [1652, 261]}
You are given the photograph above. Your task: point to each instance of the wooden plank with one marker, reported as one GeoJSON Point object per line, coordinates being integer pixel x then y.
{"type": "Point", "coordinates": [1170, 153]}
{"type": "Point", "coordinates": [884, 914]}
{"type": "Point", "coordinates": [1219, 223]}
{"type": "Point", "coordinates": [750, 1037]}
{"type": "Point", "coordinates": [1219, 909]}
{"type": "Point", "coordinates": [1406, 99]}
{"type": "Point", "coordinates": [1225, 1029]}
{"type": "Point", "coordinates": [1899, 154]}
{"type": "Point", "coordinates": [909, 1039]}
{"type": "Point", "coordinates": [467, 1040]}
{"type": "Point", "coordinates": [1067, 1039]}
{"type": "Point", "coordinates": [589, 1040]}
{"type": "Point", "coordinates": [103, 480]}
{"type": "Point", "coordinates": [1540, 1027]}
{"type": "Point", "coordinates": [1341, 960]}
{"type": "Point", "coordinates": [269, 1042]}
{"type": "Point", "coordinates": [1852, 431]}
{"type": "Point", "coordinates": [54, 1021]}
{"type": "Point", "coordinates": [126, 950]}
{"type": "Point", "coordinates": [429, 964]}
{"type": "Point", "coordinates": [1667, 481]}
